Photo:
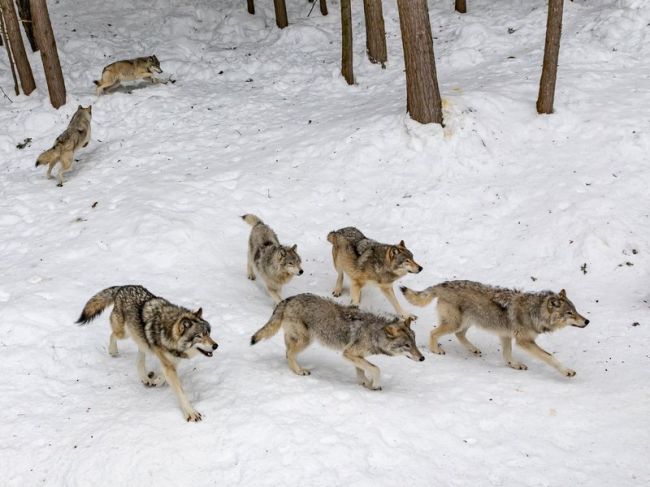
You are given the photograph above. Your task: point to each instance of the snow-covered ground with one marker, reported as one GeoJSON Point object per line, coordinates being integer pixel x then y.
{"type": "Point", "coordinates": [259, 120]}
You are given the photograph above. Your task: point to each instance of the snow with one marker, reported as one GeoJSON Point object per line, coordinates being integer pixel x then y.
{"type": "Point", "coordinates": [500, 195]}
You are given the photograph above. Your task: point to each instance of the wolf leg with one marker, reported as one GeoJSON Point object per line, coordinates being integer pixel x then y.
{"type": "Point", "coordinates": [466, 343]}
{"type": "Point", "coordinates": [149, 379]}
{"type": "Point", "coordinates": [119, 333]}
{"type": "Point", "coordinates": [66, 164]}
{"type": "Point", "coordinates": [169, 369]}
{"type": "Point", "coordinates": [536, 351]}
{"type": "Point", "coordinates": [506, 345]}
{"type": "Point", "coordinates": [249, 267]}
{"type": "Point", "coordinates": [274, 293]}
{"type": "Point", "coordinates": [390, 295]}
{"type": "Point", "coordinates": [338, 287]}
{"type": "Point", "coordinates": [450, 320]}
{"type": "Point", "coordinates": [364, 368]}
{"type": "Point", "coordinates": [295, 344]}
{"type": "Point", "coordinates": [355, 291]}
{"type": "Point", "coordinates": [50, 166]}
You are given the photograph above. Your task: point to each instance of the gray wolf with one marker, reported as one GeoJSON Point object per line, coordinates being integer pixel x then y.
{"type": "Point", "coordinates": [76, 136]}
{"type": "Point", "coordinates": [509, 313]}
{"type": "Point", "coordinates": [367, 261]}
{"type": "Point", "coordinates": [357, 333]}
{"type": "Point", "coordinates": [158, 327]}
{"type": "Point", "coordinates": [129, 70]}
{"type": "Point", "coordinates": [276, 263]}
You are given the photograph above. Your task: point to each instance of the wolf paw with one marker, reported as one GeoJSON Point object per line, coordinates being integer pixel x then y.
{"type": "Point", "coordinates": [369, 385]}
{"type": "Point", "coordinates": [193, 415]}
{"type": "Point", "coordinates": [438, 349]}
{"type": "Point", "coordinates": [251, 277]}
{"type": "Point", "coordinates": [303, 372]}
{"type": "Point", "coordinates": [518, 365]}
{"type": "Point", "coordinates": [60, 185]}
{"type": "Point", "coordinates": [569, 372]}
{"type": "Point", "coordinates": [477, 352]}
{"type": "Point", "coordinates": [153, 380]}
{"type": "Point", "coordinates": [336, 294]}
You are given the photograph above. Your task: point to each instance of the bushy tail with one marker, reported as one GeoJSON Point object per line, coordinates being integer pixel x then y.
{"type": "Point", "coordinates": [419, 298]}
{"type": "Point", "coordinates": [97, 303]}
{"type": "Point", "coordinates": [48, 156]}
{"type": "Point", "coordinates": [252, 220]}
{"type": "Point", "coordinates": [272, 326]}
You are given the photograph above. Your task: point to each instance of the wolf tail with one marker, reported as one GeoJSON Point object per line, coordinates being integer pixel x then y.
{"type": "Point", "coordinates": [97, 303]}
{"type": "Point", "coordinates": [252, 220]}
{"type": "Point", "coordinates": [419, 298]}
{"type": "Point", "coordinates": [273, 325]}
{"type": "Point", "coordinates": [48, 156]}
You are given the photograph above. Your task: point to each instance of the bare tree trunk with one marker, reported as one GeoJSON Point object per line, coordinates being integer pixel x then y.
{"type": "Point", "coordinates": [422, 94]}
{"type": "Point", "coordinates": [251, 7]}
{"type": "Point", "coordinates": [49, 54]}
{"type": "Point", "coordinates": [323, 7]}
{"type": "Point", "coordinates": [25, 14]}
{"type": "Point", "coordinates": [346, 42]}
{"type": "Point", "coordinates": [17, 47]}
{"type": "Point", "coordinates": [375, 31]}
{"type": "Point", "coordinates": [461, 6]}
{"type": "Point", "coordinates": [280, 13]}
{"type": "Point", "coordinates": [3, 37]}
{"type": "Point", "coordinates": [546, 94]}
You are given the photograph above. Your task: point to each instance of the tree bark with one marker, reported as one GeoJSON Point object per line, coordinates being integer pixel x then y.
{"type": "Point", "coordinates": [375, 31]}
{"type": "Point", "coordinates": [12, 30]}
{"type": "Point", "coordinates": [49, 54]}
{"type": "Point", "coordinates": [546, 94]}
{"type": "Point", "coordinates": [280, 13]}
{"type": "Point", "coordinates": [422, 94]}
{"type": "Point", "coordinates": [251, 7]}
{"type": "Point", "coordinates": [3, 37]}
{"type": "Point", "coordinates": [461, 6]}
{"type": "Point", "coordinates": [346, 42]}
{"type": "Point", "coordinates": [25, 14]}
{"type": "Point", "coordinates": [323, 7]}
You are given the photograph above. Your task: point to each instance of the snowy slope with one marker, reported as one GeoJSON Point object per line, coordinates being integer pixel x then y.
{"type": "Point", "coordinates": [259, 120]}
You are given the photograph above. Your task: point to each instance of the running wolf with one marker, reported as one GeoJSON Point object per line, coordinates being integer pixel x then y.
{"type": "Point", "coordinates": [506, 312]}
{"type": "Point", "coordinates": [129, 70]}
{"type": "Point", "coordinates": [367, 261]}
{"type": "Point", "coordinates": [357, 333]}
{"type": "Point", "coordinates": [276, 263]}
{"type": "Point", "coordinates": [76, 136]}
{"type": "Point", "coordinates": [158, 327]}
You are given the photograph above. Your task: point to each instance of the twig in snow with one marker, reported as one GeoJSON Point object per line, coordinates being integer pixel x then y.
{"type": "Point", "coordinates": [3, 92]}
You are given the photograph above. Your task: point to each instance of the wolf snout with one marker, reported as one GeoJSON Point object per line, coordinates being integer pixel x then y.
{"type": "Point", "coordinates": [422, 359]}
{"type": "Point", "coordinates": [586, 322]}
{"type": "Point", "coordinates": [300, 272]}
{"type": "Point", "coordinates": [420, 268]}
{"type": "Point", "coordinates": [215, 346]}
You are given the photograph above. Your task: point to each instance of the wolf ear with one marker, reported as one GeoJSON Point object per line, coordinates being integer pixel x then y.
{"type": "Point", "coordinates": [563, 294]}
{"type": "Point", "coordinates": [408, 321]}
{"type": "Point", "coordinates": [198, 313]}
{"type": "Point", "coordinates": [79, 107]}
{"type": "Point", "coordinates": [401, 244]}
{"type": "Point", "coordinates": [391, 331]}
{"type": "Point", "coordinates": [392, 252]}
{"type": "Point", "coordinates": [182, 325]}
{"type": "Point", "coordinates": [294, 247]}
{"type": "Point", "coordinates": [554, 303]}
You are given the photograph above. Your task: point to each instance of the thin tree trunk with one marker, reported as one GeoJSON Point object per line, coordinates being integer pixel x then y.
{"type": "Point", "coordinates": [422, 95]}
{"type": "Point", "coordinates": [49, 54]}
{"type": "Point", "coordinates": [251, 7]}
{"type": "Point", "coordinates": [375, 31]}
{"type": "Point", "coordinates": [461, 6]}
{"type": "Point", "coordinates": [3, 37]}
{"type": "Point", "coordinates": [17, 47]}
{"type": "Point", "coordinates": [280, 13]}
{"type": "Point", "coordinates": [346, 42]}
{"type": "Point", "coordinates": [323, 7]}
{"type": "Point", "coordinates": [546, 94]}
{"type": "Point", "coordinates": [25, 14]}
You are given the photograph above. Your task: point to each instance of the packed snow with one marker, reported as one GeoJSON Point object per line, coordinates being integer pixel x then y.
{"type": "Point", "coordinates": [260, 121]}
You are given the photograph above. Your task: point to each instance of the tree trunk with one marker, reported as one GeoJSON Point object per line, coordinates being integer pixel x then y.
{"type": "Point", "coordinates": [280, 13]}
{"type": "Point", "coordinates": [3, 37]}
{"type": "Point", "coordinates": [422, 95]}
{"type": "Point", "coordinates": [346, 42]}
{"type": "Point", "coordinates": [323, 7]}
{"type": "Point", "coordinates": [551, 53]}
{"type": "Point", "coordinates": [251, 7]}
{"type": "Point", "coordinates": [49, 54]}
{"type": "Point", "coordinates": [375, 32]}
{"type": "Point", "coordinates": [461, 6]}
{"type": "Point", "coordinates": [25, 14]}
{"type": "Point", "coordinates": [17, 47]}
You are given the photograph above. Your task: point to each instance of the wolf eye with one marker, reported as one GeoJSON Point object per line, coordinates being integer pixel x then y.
{"type": "Point", "coordinates": [407, 345]}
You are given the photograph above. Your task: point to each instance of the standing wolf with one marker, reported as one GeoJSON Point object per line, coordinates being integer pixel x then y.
{"type": "Point", "coordinates": [357, 333]}
{"type": "Point", "coordinates": [129, 70]}
{"type": "Point", "coordinates": [158, 327]}
{"type": "Point", "coordinates": [76, 136]}
{"type": "Point", "coordinates": [365, 260]}
{"type": "Point", "coordinates": [506, 312]}
{"type": "Point", "coordinates": [276, 263]}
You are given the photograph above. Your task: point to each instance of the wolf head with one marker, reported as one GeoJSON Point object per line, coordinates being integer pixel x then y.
{"type": "Point", "coordinates": [399, 339]}
{"type": "Point", "coordinates": [193, 334]}
{"type": "Point", "coordinates": [562, 312]}
{"type": "Point", "coordinates": [400, 260]}
{"type": "Point", "coordinates": [290, 260]}
{"type": "Point", "coordinates": [153, 64]}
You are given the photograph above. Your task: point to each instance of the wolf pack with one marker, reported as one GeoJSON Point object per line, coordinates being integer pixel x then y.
{"type": "Point", "coordinates": [170, 332]}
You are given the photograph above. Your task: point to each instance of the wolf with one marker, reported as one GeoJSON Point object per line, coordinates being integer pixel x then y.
{"type": "Point", "coordinates": [157, 327]}
{"type": "Point", "coordinates": [129, 70]}
{"type": "Point", "coordinates": [276, 263]}
{"type": "Point", "coordinates": [357, 333]}
{"type": "Point", "coordinates": [76, 136]}
{"type": "Point", "coordinates": [509, 313]}
{"type": "Point", "coordinates": [367, 261]}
